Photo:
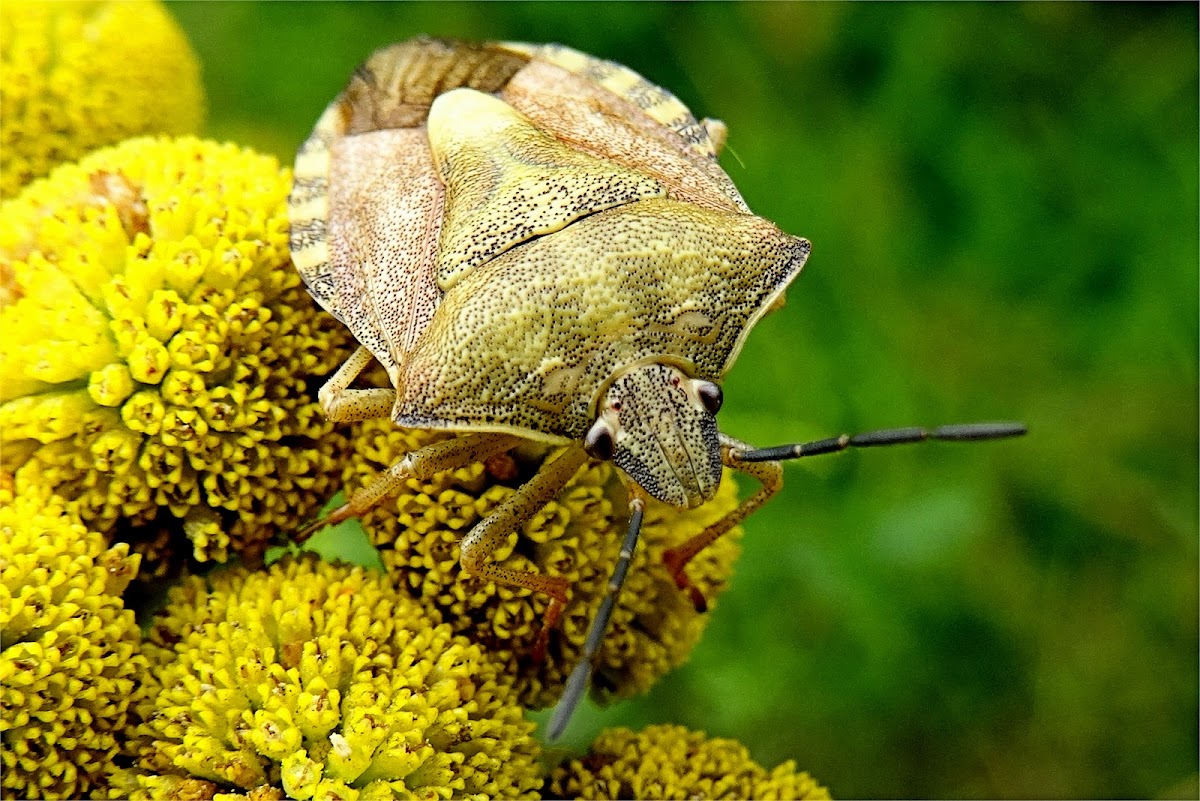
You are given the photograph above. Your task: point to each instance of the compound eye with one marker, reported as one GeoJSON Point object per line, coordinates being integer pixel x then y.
{"type": "Point", "coordinates": [710, 395]}
{"type": "Point", "coordinates": [599, 442]}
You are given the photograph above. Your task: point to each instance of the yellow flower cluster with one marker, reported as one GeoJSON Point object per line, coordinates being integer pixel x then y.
{"type": "Point", "coordinates": [673, 762]}
{"type": "Point", "coordinates": [324, 682]}
{"type": "Point", "coordinates": [158, 353]}
{"type": "Point", "coordinates": [76, 75]}
{"type": "Point", "coordinates": [577, 535]}
{"type": "Point", "coordinates": [70, 654]}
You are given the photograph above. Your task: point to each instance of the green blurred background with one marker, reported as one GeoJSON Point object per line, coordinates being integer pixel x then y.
{"type": "Point", "coordinates": [1002, 201]}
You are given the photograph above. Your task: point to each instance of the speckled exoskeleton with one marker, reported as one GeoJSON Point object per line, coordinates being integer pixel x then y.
{"type": "Point", "coordinates": [538, 244]}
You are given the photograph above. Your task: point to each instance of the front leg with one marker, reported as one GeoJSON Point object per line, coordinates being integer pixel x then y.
{"type": "Point", "coordinates": [769, 475]}
{"type": "Point", "coordinates": [492, 532]}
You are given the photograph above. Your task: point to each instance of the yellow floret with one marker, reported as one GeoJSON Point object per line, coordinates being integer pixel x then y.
{"type": "Point", "coordinates": [75, 76]}
{"type": "Point", "coordinates": [158, 353]}
{"type": "Point", "coordinates": [70, 653]}
{"type": "Point", "coordinates": [673, 762]}
{"type": "Point", "coordinates": [578, 535]}
{"type": "Point", "coordinates": [312, 680]}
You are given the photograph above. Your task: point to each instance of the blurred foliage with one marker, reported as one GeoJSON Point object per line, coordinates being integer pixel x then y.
{"type": "Point", "coordinates": [1002, 201]}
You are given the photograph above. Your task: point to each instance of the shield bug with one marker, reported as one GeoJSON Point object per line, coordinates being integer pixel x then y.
{"type": "Point", "coordinates": [537, 244]}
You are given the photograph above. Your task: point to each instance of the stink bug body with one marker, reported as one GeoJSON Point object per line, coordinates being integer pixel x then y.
{"type": "Point", "coordinates": [536, 244]}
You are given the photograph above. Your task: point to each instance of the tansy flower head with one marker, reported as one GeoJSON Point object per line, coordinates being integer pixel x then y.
{"type": "Point", "coordinates": [69, 654]}
{"type": "Point", "coordinates": [75, 76]}
{"type": "Point", "coordinates": [578, 535]}
{"type": "Point", "coordinates": [158, 354]}
{"type": "Point", "coordinates": [321, 681]}
{"type": "Point", "coordinates": [672, 762]}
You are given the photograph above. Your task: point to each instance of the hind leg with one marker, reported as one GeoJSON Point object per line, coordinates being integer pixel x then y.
{"type": "Point", "coordinates": [448, 454]}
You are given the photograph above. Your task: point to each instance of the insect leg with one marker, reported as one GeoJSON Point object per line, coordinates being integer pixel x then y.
{"type": "Point", "coordinates": [769, 475]}
{"type": "Point", "coordinates": [423, 463]}
{"type": "Point", "coordinates": [491, 532]}
{"type": "Point", "coordinates": [577, 682]}
{"type": "Point", "coordinates": [344, 405]}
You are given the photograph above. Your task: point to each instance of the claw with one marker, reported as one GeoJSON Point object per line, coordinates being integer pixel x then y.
{"type": "Point", "coordinates": [310, 528]}
{"type": "Point", "coordinates": [313, 526]}
{"type": "Point", "coordinates": [537, 654]}
{"type": "Point", "coordinates": [675, 563]}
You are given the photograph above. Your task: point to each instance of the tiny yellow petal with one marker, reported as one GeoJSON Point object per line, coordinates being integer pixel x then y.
{"type": "Point", "coordinates": [111, 386]}
{"type": "Point", "coordinates": [148, 361]}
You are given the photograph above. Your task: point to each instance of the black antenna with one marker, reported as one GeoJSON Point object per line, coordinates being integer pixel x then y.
{"type": "Point", "coordinates": [577, 682]}
{"type": "Point", "coordinates": [965, 432]}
